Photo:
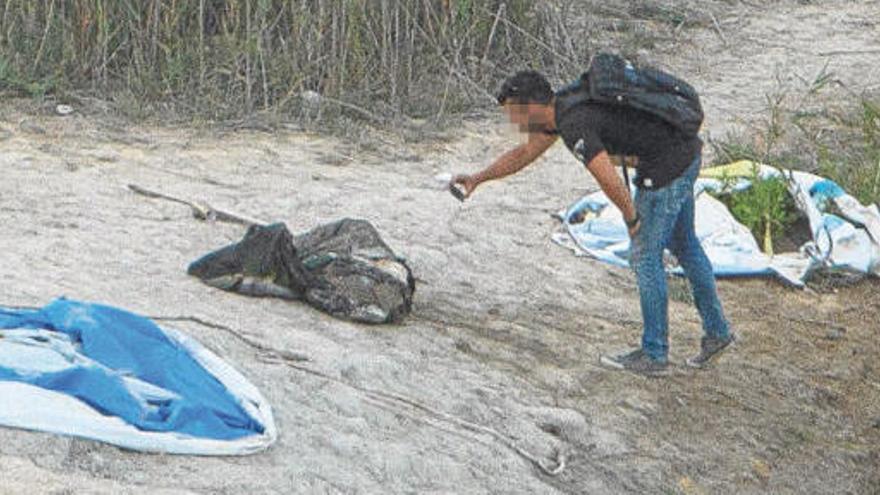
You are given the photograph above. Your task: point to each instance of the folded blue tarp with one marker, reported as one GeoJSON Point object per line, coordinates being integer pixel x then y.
{"type": "Point", "coordinates": [170, 393]}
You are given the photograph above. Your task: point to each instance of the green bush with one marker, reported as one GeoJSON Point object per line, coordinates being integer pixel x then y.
{"type": "Point", "coordinates": [834, 137]}
{"type": "Point", "coordinates": [766, 207]}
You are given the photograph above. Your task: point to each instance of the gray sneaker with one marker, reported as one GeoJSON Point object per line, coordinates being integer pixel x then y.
{"type": "Point", "coordinates": [710, 348]}
{"type": "Point", "coordinates": [637, 361]}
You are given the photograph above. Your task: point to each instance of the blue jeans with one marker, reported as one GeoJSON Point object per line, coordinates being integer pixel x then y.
{"type": "Point", "coordinates": [667, 218]}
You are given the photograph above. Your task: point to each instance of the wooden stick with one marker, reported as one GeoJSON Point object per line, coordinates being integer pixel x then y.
{"type": "Point", "coordinates": [202, 211]}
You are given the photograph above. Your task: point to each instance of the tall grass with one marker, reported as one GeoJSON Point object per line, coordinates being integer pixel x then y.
{"type": "Point", "coordinates": [229, 58]}
{"type": "Point", "coordinates": [836, 135]}
{"type": "Point", "coordinates": [852, 155]}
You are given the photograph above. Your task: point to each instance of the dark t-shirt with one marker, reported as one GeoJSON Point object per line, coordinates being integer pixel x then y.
{"type": "Point", "coordinates": [663, 151]}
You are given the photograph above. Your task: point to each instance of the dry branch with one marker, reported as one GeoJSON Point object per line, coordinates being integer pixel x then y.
{"type": "Point", "coordinates": [202, 211]}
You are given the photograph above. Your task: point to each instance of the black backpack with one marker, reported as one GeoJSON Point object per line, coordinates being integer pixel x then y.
{"type": "Point", "coordinates": [615, 80]}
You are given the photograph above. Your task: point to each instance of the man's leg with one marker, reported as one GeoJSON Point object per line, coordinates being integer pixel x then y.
{"type": "Point", "coordinates": [658, 210]}
{"type": "Point", "coordinates": [686, 247]}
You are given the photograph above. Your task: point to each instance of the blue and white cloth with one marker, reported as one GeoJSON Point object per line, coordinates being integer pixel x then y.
{"type": "Point", "coordinates": [844, 233]}
{"type": "Point", "coordinates": [102, 373]}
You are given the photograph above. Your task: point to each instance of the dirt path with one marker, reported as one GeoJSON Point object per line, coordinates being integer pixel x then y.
{"type": "Point", "coordinates": [507, 327]}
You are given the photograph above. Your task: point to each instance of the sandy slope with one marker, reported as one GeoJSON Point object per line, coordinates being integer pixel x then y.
{"type": "Point", "coordinates": [507, 327]}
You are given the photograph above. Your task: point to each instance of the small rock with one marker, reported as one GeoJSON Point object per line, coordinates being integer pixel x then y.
{"type": "Point", "coordinates": [687, 485]}
{"type": "Point", "coordinates": [835, 334]}
{"type": "Point", "coordinates": [292, 356]}
{"type": "Point", "coordinates": [64, 110]}
{"type": "Point", "coordinates": [551, 429]}
{"type": "Point", "coordinates": [107, 158]}
{"type": "Point", "coordinates": [761, 469]}
{"type": "Point", "coordinates": [463, 346]}
{"type": "Point", "coordinates": [643, 408]}
{"type": "Point", "coordinates": [876, 423]}
{"type": "Point", "coordinates": [312, 99]}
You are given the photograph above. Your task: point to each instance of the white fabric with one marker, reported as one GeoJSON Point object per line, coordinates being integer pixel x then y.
{"type": "Point", "coordinates": [848, 241]}
{"type": "Point", "coordinates": [59, 413]}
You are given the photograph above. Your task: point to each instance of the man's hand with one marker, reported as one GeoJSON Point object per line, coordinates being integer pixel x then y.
{"type": "Point", "coordinates": [468, 182]}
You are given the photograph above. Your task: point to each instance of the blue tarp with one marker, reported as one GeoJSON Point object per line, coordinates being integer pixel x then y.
{"type": "Point", "coordinates": [125, 366]}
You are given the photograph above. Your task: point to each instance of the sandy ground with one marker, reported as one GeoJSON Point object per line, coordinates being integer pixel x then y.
{"type": "Point", "coordinates": [506, 330]}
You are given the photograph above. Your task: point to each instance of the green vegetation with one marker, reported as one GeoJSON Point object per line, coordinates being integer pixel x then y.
{"type": "Point", "coordinates": [852, 158]}
{"type": "Point", "coordinates": [308, 60]}
{"type": "Point", "coordinates": [228, 58]}
{"type": "Point", "coordinates": [841, 144]}
{"type": "Point", "coordinates": [838, 138]}
{"type": "Point", "coordinates": [766, 208]}
{"type": "Point", "coordinates": [834, 137]}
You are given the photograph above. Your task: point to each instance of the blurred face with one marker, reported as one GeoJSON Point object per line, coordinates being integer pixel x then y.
{"type": "Point", "coordinates": [529, 117]}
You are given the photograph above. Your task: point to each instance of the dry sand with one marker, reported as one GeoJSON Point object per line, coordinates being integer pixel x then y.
{"type": "Point", "coordinates": [506, 330]}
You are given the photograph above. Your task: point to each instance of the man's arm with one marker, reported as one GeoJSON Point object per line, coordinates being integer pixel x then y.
{"type": "Point", "coordinates": [613, 186]}
{"type": "Point", "coordinates": [518, 158]}
{"type": "Point", "coordinates": [509, 163]}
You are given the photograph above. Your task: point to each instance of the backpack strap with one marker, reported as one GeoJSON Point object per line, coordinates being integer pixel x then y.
{"type": "Point", "coordinates": [573, 95]}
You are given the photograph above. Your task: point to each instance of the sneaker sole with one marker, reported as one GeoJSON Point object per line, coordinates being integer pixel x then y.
{"type": "Point", "coordinates": [608, 362]}
{"type": "Point", "coordinates": [691, 364]}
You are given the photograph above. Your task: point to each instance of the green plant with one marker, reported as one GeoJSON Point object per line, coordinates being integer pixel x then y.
{"type": "Point", "coordinates": [766, 207]}
{"type": "Point", "coordinates": [852, 156]}
{"type": "Point", "coordinates": [833, 137]}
